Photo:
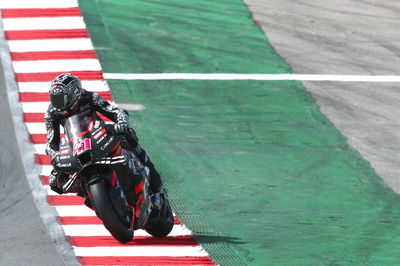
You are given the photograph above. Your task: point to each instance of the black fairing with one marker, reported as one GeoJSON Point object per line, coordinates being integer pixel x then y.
{"type": "Point", "coordinates": [87, 140]}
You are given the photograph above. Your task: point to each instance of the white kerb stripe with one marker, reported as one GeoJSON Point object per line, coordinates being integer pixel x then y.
{"type": "Point", "coordinates": [50, 192]}
{"type": "Point", "coordinates": [44, 23]}
{"type": "Point", "coordinates": [100, 230]}
{"type": "Point", "coordinates": [74, 210]}
{"type": "Point", "coordinates": [41, 107]}
{"type": "Point", "coordinates": [90, 85]}
{"type": "Point", "coordinates": [40, 148]}
{"type": "Point", "coordinates": [38, 128]}
{"type": "Point", "coordinates": [38, 3]}
{"type": "Point", "coordinates": [46, 169]}
{"type": "Point", "coordinates": [147, 251]}
{"type": "Point", "coordinates": [35, 107]}
{"type": "Point", "coordinates": [56, 65]}
{"type": "Point", "coordinates": [237, 76]}
{"type": "Point", "coordinates": [50, 45]}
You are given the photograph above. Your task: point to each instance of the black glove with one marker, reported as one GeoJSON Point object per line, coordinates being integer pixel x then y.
{"type": "Point", "coordinates": [121, 128]}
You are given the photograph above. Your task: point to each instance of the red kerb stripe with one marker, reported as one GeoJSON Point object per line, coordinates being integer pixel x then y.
{"type": "Point", "coordinates": [52, 55]}
{"type": "Point", "coordinates": [89, 220]}
{"type": "Point", "coordinates": [40, 138]}
{"type": "Point", "coordinates": [44, 96]}
{"type": "Point", "coordinates": [45, 34]}
{"type": "Point", "coordinates": [37, 138]}
{"type": "Point", "coordinates": [44, 179]}
{"type": "Point", "coordinates": [34, 118]}
{"type": "Point", "coordinates": [40, 12]}
{"type": "Point", "coordinates": [108, 241]}
{"type": "Point", "coordinates": [42, 159]}
{"type": "Point", "coordinates": [80, 220]}
{"type": "Point", "coordinates": [49, 76]}
{"type": "Point", "coordinates": [61, 200]}
{"type": "Point", "coordinates": [146, 260]}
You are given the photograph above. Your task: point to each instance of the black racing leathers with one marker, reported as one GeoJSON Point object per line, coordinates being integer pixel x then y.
{"type": "Point", "coordinates": [88, 102]}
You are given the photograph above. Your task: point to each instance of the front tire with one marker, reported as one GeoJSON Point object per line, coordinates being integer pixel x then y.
{"type": "Point", "coordinates": [106, 211]}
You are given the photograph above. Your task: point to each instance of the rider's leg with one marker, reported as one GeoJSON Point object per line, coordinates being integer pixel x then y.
{"type": "Point", "coordinates": [155, 178]}
{"type": "Point", "coordinates": [134, 146]}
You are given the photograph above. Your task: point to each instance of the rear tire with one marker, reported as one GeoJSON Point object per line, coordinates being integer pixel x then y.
{"type": "Point", "coordinates": [164, 222]}
{"type": "Point", "coordinates": [106, 211]}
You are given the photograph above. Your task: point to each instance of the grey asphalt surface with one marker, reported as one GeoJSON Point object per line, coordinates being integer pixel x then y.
{"type": "Point", "coordinates": [24, 239]}
{"type": "Point", "coordinates": [345, 37]}
{"type": "Point", "coordinates": [25, 215]}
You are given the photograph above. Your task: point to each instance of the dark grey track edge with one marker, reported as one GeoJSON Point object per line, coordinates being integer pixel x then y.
{"type": "Point", "coordinates": [32, 170]}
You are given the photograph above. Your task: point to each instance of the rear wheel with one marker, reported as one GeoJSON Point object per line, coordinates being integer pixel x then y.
{"type": "Point", "coordinates": [107, 209]}
{"type": "Point", "coordinates": [161, 221]}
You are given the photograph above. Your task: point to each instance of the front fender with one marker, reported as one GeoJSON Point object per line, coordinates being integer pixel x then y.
{"type": "Point", "coordinates": [96, 173]}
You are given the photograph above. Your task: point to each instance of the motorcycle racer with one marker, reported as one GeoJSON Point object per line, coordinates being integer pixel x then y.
{"type": "Point", "coordinates": [68, 98]}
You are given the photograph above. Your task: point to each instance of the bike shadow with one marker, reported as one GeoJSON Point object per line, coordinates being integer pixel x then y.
{"type": "Point", "coordinates": [219, 239]}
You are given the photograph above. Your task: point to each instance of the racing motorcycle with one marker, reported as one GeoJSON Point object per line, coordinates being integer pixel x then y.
{"type": "Point", "coordinates": [113, 181]}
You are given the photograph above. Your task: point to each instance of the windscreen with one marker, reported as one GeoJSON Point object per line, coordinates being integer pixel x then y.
{"type": "Point", "coordinates": [76, 126]}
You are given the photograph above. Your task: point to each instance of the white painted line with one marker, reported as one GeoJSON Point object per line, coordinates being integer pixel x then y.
{"type": "Point", "coordinates": [100, 230]}
{"type": "Point", "coordinates": [38, 3]}
{"type": "Point", "coordinates": [56, 65]}
{"type": "Point", "coordinates": [233, 76]}
{"type": "Point", "coordinates": [147, 251]}
{"type": "Point", "coordinates": [50, 45]}
{"type": "Point", "coordinates": [90, 85]}
{"type": "Point", "coordinates": [44, 23]}
{"type": "Point", "coordinates": [131, 107]}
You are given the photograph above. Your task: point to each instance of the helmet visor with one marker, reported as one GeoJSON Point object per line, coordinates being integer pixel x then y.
{"type": "Point", "coordinates": [62, 101]}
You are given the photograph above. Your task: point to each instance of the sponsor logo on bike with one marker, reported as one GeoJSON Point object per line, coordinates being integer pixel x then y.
{"type": "Point", "coordinates": [106, 144]}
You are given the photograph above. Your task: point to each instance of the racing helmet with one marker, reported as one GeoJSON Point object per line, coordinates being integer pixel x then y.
{"type": "Point", "coordinates": [65, 91]}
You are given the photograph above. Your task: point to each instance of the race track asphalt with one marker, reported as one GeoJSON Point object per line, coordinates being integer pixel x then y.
{"type": "Point", "coordinates": [324, 37]}
{"type": "Point", "coordinates": [24, 237]}
{"type": "Point", "coordinates": [348, 37]}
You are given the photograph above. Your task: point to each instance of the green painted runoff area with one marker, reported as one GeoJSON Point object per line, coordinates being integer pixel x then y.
{"type": "Point", "coordinates": [253, 167]}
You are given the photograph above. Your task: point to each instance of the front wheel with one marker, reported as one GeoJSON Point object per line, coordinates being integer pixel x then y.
{"type": "Point", "coordinates": [105, 206]}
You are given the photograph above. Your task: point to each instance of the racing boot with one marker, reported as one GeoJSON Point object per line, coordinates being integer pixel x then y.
{"type": "Point", "coordinates": [157, 199]}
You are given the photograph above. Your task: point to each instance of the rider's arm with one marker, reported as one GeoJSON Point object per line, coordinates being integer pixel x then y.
{"type": "Point", "coordinates": [117, 115]}
{"type": "Point", "coordinates": [53, 134]}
